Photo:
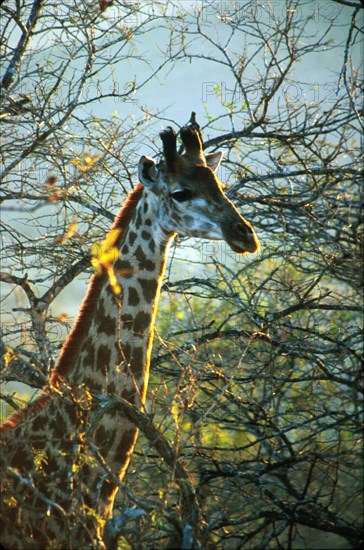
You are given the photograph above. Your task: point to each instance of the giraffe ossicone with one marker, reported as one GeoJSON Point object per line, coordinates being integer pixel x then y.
{"type": "Point", "coordinates": [55, 475]}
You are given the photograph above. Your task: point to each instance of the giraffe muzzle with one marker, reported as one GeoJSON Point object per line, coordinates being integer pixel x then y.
{"type": "Point", "coordinates": [241, 237]}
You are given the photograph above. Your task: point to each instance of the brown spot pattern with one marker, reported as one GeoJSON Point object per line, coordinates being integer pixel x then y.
{"type": "Point", "coordinates": [137, 361]}
{"type": "Point", "coordinates": [103, 358]}
{"type": "Point", "coordinates": [139, 219]}
{"type": "Point", "coordinates": [140, 255]}
{"type": "Point", "coordinates": [88, 354]}
{"type": "Point", "coordinates": [124, 268]}
{"type": "Point", "coordinates": [134, 357]}
{"type": "Point", "coordinates": [149, 288]}
{"type": "Point", "coordinates": [106, 324]}
{"type": "Point", "coordinates": [127, 321]}
{"type": "Point", "coordinates": [127, 350]}
{"type": "Point", "coordinates": [143, 261]}
{"type": "Point", "coordinates": [133, 297]}
{"type": "Point", "coordinates": [132, 237]}
{"type": "Point", "coordinates": [141, 322]}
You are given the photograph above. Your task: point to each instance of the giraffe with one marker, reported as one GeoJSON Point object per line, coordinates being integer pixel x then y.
{"type": "Point", "coordinates": [54, 475]}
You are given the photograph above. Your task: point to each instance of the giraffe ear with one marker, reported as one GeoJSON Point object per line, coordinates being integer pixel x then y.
{"type": "Point", "coordinates": [213, 160]}
{"type": "Point", "coordinates": [147, 171]}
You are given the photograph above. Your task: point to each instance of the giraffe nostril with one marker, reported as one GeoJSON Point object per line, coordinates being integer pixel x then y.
{"type": "Point", "coordinates": [244, 233]}
{"type": "Point", "coordinates": [245, 230]}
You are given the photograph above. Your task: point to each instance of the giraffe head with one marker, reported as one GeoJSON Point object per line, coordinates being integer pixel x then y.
{"type": "Point", "coordinates": [191, 199]}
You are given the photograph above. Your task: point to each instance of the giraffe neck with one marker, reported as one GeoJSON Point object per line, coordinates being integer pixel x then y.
{"type": "Point", "coordinates": [115, 354]}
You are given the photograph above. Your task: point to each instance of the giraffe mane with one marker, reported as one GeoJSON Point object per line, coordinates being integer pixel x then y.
{"type": "Point", "coordinates": [75, 338]}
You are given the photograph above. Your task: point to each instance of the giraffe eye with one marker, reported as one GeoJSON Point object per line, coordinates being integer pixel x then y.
{"type": "Point", "coordinates": [181, 195]}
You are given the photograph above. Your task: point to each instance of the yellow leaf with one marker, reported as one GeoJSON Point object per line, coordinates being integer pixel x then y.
{"type": "Point", "coordinates": [11, 502]}
{"type": "Point", "coordinates": [9, 356]}
{"type": "Point", "coordinates": [79, 165]}
{"type": "Point", "coordinates": [69, 233]}
{"type": "Point", "coordinates": [113, 281]}
{"type": "Point", "coordinates": [40, 459]}
{"type": "Point", "coordinates": [104, 254]}
{"type": "Point", "coordinates": [89, 159]}
{"type": "Point", "coordinates": [175, 412]}
{"type": "Point", "coordinates": [62, 318]}
{"type": "Point", "coordinates": [86, 163]}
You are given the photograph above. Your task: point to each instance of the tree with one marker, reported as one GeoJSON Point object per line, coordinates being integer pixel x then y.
{"type": "Point", "coordinates": [255, 396]}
